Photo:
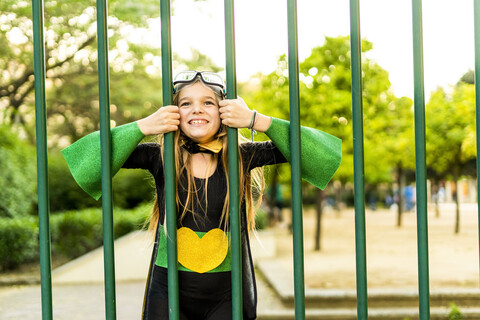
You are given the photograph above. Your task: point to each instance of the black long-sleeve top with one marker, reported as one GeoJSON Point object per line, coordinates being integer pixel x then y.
{"type": "Point", "coordinates": [148, 156]}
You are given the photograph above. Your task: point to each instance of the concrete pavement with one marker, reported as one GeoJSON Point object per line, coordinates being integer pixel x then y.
{"type": "Point", "coordinates": [132, 259]}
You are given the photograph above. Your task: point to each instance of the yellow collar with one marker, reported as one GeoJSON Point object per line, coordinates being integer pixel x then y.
{"type": "Point", "coordinates": [214, 146]}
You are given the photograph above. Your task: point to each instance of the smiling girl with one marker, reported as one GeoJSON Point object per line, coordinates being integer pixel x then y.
{"type": "Point", "coordinates": [199, 118]}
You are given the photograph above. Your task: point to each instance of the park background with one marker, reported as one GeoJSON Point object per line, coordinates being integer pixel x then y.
{"type": "Point", "coordinates": [198, 44]}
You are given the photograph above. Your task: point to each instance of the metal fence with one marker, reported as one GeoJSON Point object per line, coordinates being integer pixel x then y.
{"type": "Point", "coordinates": [357, 110]}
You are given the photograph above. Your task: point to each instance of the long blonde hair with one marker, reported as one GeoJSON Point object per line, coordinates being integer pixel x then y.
{"type": "Point", "coordinates": [251, 183]}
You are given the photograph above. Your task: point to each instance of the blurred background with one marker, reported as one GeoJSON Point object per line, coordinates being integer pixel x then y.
{"type": "Point", "coordinates": [262, 70]}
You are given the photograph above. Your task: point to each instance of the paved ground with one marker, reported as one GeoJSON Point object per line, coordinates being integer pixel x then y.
{"type": "Point", "coordinates": [391, 263]}
{"type": "Point", "coordinates": [391, 251]}
{"type": "Point", "coordinates": [71, 302]}
{"type": "Point", "coordinates": [86, 301]}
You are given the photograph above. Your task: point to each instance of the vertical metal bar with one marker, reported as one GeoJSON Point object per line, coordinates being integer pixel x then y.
{"type": "Point", "coordinates": [420, 162]}
{"type": "Point", "coordinates": [106, 159]}
{"type": "Point", "coordinates": [233, 182]}
{"type": "Point", "coordinates": [297, 218]}
{"type": "Point", "coordinates": [476, 21]}
{"type": "Point", "coordinates": [42, 160]}
{"type": "Point", "coordinates": [169, 163]}
{"type": "Point", "coordinates": [358, 159]}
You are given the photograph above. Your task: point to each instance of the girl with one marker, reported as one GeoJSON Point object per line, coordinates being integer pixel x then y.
{"type": "Point", "coordinates": [199, 118]}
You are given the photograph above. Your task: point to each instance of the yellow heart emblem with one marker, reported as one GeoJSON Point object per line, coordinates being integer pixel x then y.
{"type": "Point", "coordinates": [201, 254]}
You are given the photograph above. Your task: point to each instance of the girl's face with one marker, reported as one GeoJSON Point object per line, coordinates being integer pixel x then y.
{"type": "Point", "coordinates": [199, 115]}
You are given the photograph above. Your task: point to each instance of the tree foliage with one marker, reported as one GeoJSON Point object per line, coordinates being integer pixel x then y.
{"type": "Point", "coordinates": [72, 90]}
{"type": "Point", "coordinates": [326, 104]}
{"type": "Point", "coordinates": [450, 129]}
{"type": "Point", "coordinates": [450, 135]}
{"type": "Point", "coordinates": [325, 90]}
{"type": "Point", "coordinates": [71, 65]}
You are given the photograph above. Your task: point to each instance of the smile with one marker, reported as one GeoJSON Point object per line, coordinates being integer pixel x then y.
{"type": "Point", "coordinates": [198, 121]}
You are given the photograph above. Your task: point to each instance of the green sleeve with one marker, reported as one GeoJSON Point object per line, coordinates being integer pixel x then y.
{"type": "Point", "coordinates": [84, 159]}
{"type": "Point", "coordinates": [321, 152]}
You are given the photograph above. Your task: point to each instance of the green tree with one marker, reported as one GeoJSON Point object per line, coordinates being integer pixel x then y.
{"type": "Point", "coordinates": [197, 61]}
{"type": "Point", "coordinates": [390, 143]}
{"type": "Point", "coordinates": [70, 44]}
{"type": "Point", "coordinates": [325, 100]}
{"type": "Point", "coordinates": [450, 134]}
{"type": "Point", "coordinates": [71, 65]}
{"type": "Point", "coordinates": [72, 81]}
{"type": "Point", "coordinates": [468, 77]}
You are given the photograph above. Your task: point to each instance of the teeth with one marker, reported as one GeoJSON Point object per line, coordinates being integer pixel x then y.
{"type": "Point", "coordinates": [198, 121]}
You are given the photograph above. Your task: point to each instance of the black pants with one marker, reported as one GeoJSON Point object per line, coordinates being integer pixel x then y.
{"type": "Point", "coordinates": [201, 296]}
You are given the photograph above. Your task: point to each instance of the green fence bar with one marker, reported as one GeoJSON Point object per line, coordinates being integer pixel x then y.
{"type": "Point", "coordinates": [420, 162]}
{"type": "Point", "coordinates": [233, 181]}
{"type": "Point", "coordinates": [42, 160]}
{"type": "Point", "coordinates": [106, 159]}
{"type": "Point", "coordinates": [297, 218]}
{"type": "Point", "coordinates": [476, 21]}
{"type": "Point", "coordinates": [169, 165]}
{"type": "Point", "coordinates": [358, 160]}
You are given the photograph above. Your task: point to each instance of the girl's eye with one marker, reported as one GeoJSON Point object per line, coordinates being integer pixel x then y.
{"type": "Point", "coordinates": [210, 103]}
{"type": "Point", "coordinates": [184, 104]}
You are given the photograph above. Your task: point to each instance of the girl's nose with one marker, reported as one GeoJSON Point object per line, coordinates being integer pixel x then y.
{"type": "Point", "coordinates": [197, 108]}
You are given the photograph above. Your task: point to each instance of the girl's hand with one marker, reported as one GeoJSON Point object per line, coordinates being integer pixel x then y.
{"type": "Point", "coordinates": [236, 114]}
{"type": "Point", "coordinates": [166, 119]}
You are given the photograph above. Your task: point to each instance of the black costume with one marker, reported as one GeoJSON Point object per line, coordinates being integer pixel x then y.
{"type": "Point", "coordinates": [320, 155]}
{"type": "Point", "coordinates": [211, 288]}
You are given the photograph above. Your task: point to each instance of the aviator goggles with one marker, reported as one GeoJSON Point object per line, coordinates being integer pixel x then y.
{"type": "Point", "coordinates": [208, 78]}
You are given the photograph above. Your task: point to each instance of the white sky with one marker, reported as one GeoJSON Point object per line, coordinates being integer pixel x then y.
{"type": "Point", "coordinates": [261, 35]}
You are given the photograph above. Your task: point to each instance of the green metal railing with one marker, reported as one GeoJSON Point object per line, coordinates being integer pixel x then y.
{"type": "Point", "coordinates": [297, 220]}
{"type": "Point", "coordinates": [358, 156]}
{"type": "Point", "coordinates": [420, 162]}
{"type": "Point", "coordinates": [106, 159]}
{"type": "Point", "coordinates": [233, 171]}
{"type": "Point", "coordinates": [476, 21]}
{"type": "Point", "coordinates": [169, 158]}
{"type": "Point", "coordinates": [169, 163]}
{"type": "Point", "coordinates": [42, 162]}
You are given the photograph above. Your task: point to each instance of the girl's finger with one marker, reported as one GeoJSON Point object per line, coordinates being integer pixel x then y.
{"type": "Point", "coordinates": [223, 103]}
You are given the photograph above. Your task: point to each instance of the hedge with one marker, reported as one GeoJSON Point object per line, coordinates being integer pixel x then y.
{"type": "Point", "coordinates": [73, 233]}
{"type": "Point", "coordinates": [18, 241]}
{"type": "Point", "coordinates": [130, 188]}
{"type": "Point", "coordinates": [17, 181]}
{"type": "Point", "coordinates": [77, 232]}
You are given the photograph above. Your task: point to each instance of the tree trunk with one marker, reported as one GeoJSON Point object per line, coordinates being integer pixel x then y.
{"type": "Point", "coordinates": [399, 195]}
{"type": "Point", "coordinates": [339, 190]}
{"type": "Point", "coordinates": [437, 200]}
{"type": "Point", "coordinates": [318, 225]}
{"type": "Point", "coordinates": [457, 205]}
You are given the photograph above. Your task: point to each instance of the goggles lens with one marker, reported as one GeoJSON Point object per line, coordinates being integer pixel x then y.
{"type": "Point", "coordinates": [212, 78]}
{"type": "Point", "coordinates": [208, 78]}
{"type": "Point", "coordinates": [185, 76]}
